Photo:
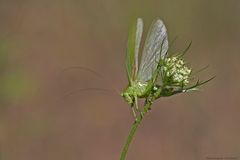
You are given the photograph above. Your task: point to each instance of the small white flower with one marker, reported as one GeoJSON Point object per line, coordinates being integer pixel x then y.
{"type": "Point", "coordinates": [176, 71]}
{"type": "Point", "coordinates": [174, 59]}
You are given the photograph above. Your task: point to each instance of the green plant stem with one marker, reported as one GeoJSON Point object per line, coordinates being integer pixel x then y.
{"type": "Point", "coordinates": [133, 130]}
{"type": "Point", "coordinates": [129, 139]}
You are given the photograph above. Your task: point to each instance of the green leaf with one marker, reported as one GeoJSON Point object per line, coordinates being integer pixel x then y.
{"type": "Point", "coordinates": [195, 86]}
{"type": "Point", "coordinates": [181, 54]}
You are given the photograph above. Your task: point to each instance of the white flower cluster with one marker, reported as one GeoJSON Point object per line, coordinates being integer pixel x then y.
{"type": "Point", "coordinates": [176, 72]}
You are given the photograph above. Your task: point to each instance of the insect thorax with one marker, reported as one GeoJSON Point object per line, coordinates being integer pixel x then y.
{"type": "Point", "coordinates": [137, 89]}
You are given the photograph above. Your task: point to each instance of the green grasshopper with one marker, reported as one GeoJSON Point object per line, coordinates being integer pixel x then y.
{"type": "Point", "coordinates": [142, 78]}
{"type": "Point", "coordinates": [174, 73]}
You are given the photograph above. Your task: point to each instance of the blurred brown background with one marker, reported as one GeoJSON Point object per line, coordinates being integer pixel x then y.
{"type": "Point", "coordinates": [39, 38]}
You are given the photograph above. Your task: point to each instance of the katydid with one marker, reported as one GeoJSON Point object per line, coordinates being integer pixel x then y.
{"type": "Point", "coordinates": [142, 78]}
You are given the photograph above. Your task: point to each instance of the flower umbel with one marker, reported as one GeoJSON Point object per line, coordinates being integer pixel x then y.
{"type": "Point", "coordinates": [176, 77]}
{"type": "Point", "coordinates": [175, 72]}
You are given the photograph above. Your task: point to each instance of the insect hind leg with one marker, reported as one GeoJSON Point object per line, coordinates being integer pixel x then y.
{"type": "Point", "coordinates": [134, 112]}
{"type": "Point", "coordinates": [137, 108]}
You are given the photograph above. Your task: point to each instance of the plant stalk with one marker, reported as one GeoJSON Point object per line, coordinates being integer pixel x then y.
{"type": "Point", "coordinates": [133, 130]}
{"type": "Point", "coordinates": [129, 139]}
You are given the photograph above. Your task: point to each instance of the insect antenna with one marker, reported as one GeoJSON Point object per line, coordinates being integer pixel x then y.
{"type": "Point", "coordinates": [80, 90]}
{"type": "Point", "coordinates": [100, 76]}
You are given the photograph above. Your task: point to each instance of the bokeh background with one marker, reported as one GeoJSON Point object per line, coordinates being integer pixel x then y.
{"type": "Point", "coordinates": [49, 109]}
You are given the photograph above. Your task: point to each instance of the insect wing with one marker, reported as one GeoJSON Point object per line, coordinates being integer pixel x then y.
{"type": "Point", "coordinates": [156, 47]}
{"type": "Point", "coordinates": [134, 40]}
